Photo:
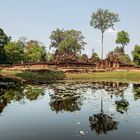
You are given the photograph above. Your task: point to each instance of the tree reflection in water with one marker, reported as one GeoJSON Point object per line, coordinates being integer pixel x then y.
{"type": "Point", "coordinates": [69, 104]}
{"type": "Point", "coordinates": [122, 105]}
{"type": "Point", "coordinates": [118, 90]}
{"type": "Point", "coordinates": [136, 90]}
{"type": "Point", "coordinates": [66, 99]}
{"type": "Point", "coordinates": [19, 93]}
{"type": "Point", "coordinates": [101, 122]}
{"type": "Point", "coordinates": [32, 92]}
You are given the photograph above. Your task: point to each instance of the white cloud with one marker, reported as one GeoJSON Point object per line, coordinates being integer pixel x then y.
{"type": "Point", "coordinates": [112, 31]}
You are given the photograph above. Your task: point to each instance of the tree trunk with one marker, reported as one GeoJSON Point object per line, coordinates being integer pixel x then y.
{"type": "Point", "coordinates": [101, 103]}
{"type": "Point", "coordinates": [102, 45]}
{"type": "Point", "coordinates": [123, 50]}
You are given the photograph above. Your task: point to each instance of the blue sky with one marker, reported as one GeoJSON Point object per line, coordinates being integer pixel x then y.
{"type": "Point", "coordinates": [36, 19]}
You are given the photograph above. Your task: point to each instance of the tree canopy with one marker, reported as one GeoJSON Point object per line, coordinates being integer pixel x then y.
{"type": "Point", "coordinates": [103, 20]}
{"type": "Point", "coordinates": [35, 52]}
{"type": "Point", "coordinates": [56, 38]}
{"type": "Point", "coordinates": [68, 41]}
{"type": "Point", "coordinates": [4, 39]}
{"type": "Point", "coordinates": [123, 39]}
{"type": "Point", "coordinates": [136, 54]}
{"type": "Point", "coordinates": [29, 52]}
{"type": "Point", "coordinates": [14, 52]}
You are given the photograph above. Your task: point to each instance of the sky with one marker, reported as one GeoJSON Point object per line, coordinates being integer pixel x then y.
{"type": "Point", "coordinates": [36, 19]}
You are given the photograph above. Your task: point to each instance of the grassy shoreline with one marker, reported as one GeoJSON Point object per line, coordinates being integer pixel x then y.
{"type": "Point", "coordinates": [48, 77]}
{"type": "Point", "coordinates": [114, 76]}
{"type": "Point", "coordinates": [33, 77]}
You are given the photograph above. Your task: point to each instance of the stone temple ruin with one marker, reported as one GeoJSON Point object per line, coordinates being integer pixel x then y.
{"type": "Point", "coordinates": [112, 62]}
{"type": "Point", "coordinates": [72, 63]}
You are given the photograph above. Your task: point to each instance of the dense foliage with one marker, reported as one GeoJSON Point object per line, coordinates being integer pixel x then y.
{"type": "Point", "coordinates": [35, 52]}
{"type": "Point", "coordinates": [69, 41]}
{"type": "Point", "coordinates": [14, 52]}
{"type": "Point", "coordinates": [4, 39]}
{"type": "Point", "coordinates": [136, 55]}
{"type": "Point", "coordinates": [123, 39]}
{"type": "Point", "coordinates": [24, 52]}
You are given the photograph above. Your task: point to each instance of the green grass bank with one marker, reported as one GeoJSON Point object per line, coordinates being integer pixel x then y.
{"type": "Point", "coordinates": [114, 76]}
{"type": "Point", "coordinates": [51, 76]}
{"type": "Point", "coordinates": [34, 77]}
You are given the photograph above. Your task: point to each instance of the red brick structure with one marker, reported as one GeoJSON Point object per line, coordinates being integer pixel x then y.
{"type": "Point", "coordinates": [65, 62]}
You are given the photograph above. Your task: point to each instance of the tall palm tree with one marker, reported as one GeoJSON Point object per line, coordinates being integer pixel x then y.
{"type": "Point", "coordinates": [103, 20]}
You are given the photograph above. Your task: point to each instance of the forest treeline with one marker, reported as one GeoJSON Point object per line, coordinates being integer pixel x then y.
{"type": "Point", "coordinates": [70, 42]}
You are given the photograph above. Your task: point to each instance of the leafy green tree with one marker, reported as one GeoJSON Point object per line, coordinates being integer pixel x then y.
{"type": "Point", "coordinates": [4, 39]}
{"type": "Point", "coordinates": [123, 39]}
{"type": "Point", "coordinates": [103, 20]}
{"type": "Point", "coordinates": [49, 56]}
{"type": "Point", "coordinates": [136, 54]}
{"type": "Point", "coordinates": [14, 52]}
{"type": "Point", "coordinates": [69, 41]}
{"type": "Point", "coordinates": [56, 38]}
{"type": "Point", "coordinates": [35, 52]}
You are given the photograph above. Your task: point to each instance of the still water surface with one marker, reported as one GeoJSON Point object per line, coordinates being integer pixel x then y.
{"type": "Point", "coordinates": [70, 111]}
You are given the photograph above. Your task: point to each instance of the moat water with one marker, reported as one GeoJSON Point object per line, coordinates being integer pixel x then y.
{"type": "Point", "coordinates": [70, 111]}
